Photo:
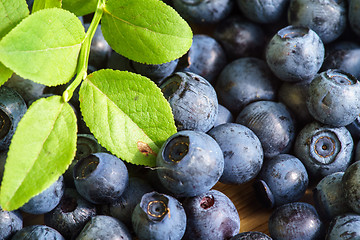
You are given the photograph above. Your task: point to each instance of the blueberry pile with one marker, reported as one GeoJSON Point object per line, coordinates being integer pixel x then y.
{"type": "Point", "coordinates": [267, 95]}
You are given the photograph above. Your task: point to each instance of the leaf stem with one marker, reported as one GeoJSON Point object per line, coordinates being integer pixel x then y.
{"type": "Point", "coordinates": [81, 72]}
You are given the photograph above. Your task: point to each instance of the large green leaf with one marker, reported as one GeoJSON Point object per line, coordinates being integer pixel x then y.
{"type": "Point", "coordinates": [43, 4]}
{"type": "Point", "coordinates": [127, 113]}
{"type": "Point", "coordinates": [80, 7]}
{"type": "Point", "coordinates": [44, 47]}
{"type": "Point", "coordinates": [5, 74]}
{"type": "Point", "coordinates": [11, 13]}
{"type": "Point", "coordinates": [147, 31]}
{"type": "Point", "coordinates": [41, 149]}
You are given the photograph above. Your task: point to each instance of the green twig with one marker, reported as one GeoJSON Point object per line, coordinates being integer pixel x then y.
{"type": "Point", "coordinates": [82, 67]}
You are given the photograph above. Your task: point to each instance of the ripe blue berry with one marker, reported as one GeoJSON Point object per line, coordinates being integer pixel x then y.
{"type": "Point", "coordinates": [344, 227]}
{"type": "Point", "coordinates": [243, 153]}
{"type": "Point", "coordinates": [334, 98]}
{"type": "Point", "coordinates": [282, 179]}
{"type": "Point", "coordinates": [211, 215]}
{"type": "Point", "coordinates": [104, 227]}
{"type": "Point", "coordinates": [159, 216]}
{"type": "Point", "coordinates": [323, 149]}
{"type": "Point", "coordinates": [47, 200]}
{"type": "Point", "coordinates": [192, 99]}
{"type": "Point", "coordinates": [296, 221]}
{"type": "Point", "coordinates": [189, 163]}
{"type": "Point", "coordinates": [272, 123]}
{"type": "Point", "coordinates": [295, 54]}
{"type": "Point", "coordinates": [329, 197]}
{"type": "Point", "coordinates": [100, 177]}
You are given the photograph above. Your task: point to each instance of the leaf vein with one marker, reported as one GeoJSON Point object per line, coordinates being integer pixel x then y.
{"type": "Point", "coordinates": [110, 100]}
{"type": "Point", "coordinates": [39, 152]}
{"type": "Point", "coordinates": [42, 50]}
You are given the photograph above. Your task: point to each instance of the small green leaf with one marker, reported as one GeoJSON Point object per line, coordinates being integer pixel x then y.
{"type": "Point", "coordinates": [5, 74]}
{"type": "Point", "coordinates": [149, 31]}
{"type": "Point", "coordinates": [43, 4]}
{"type": "Point", "coordinates": [11, 13]}
{"type": "Point", "coordinates": [127, 113]}
{"type": "Point", "coordinates": [44, 47]}
{"type": "Point", "coordinates": [80, 7]}
{"type": "Point", "coordinates": [41, 149]}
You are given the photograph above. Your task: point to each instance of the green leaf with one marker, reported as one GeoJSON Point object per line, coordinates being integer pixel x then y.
{"type": "Point", "coordinates": [44, 47]}
{"type": "Point", "coordinates": [43, 4]}
{"type": "Point", "coordinates": [5, 74]}
{"type": "Point", "coordinates": [41, 149]}
{"type": "Point", "coordinates": [149, 31]}
{"type": "Point", "coordinates": [127, 113]}
{"type": "Point", "coordinates": [80, 7]}
{"type": "Point", "coordinates": [11, 13]}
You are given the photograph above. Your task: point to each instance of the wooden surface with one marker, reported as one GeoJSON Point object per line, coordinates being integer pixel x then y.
{"type": "Point", "coordinates": [253, 215]}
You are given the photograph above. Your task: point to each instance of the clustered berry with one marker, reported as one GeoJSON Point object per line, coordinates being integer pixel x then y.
{"type": "Point", "coordinates": [268, 94]}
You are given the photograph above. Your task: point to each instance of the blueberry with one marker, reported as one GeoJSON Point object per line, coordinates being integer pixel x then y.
{"type": "Point", "coordinates": [272, 123]}
{"type": "Point", "coordinates": [37, 232]}
{"type": "Point", "coordinates": [158, 216]}
{"type": "Point", "coordinates": [100, 178]}
{"type": "Point", "coordinates": [156, 72]}
{"type": "Point", "coordinates": [86, 144]}
{"type": "Point", "coordinates": [325, 17]}
{"type": "Point", "coordinates": [224, 116]}
{"type": "Point", "coordinates": [296, 221]}
{"type": "Point", "coordinates": [334, 98]}
{"type": "Point", "coordinates": [100, 50]}
{"type": "Point", "coordinates": [104, 227]}
{"type": "Point", "coordinates": [29, 90]}
{"type": "Point", "coordinates": [211, 215]}
{"type": "Point", "coordinates": [344, 56]}
{"type": "Point", "coordinates": [294, 96]}
{"type": "Point", "coordinates": [295, 54]}
{"type": "Point", "coordinates": [10, 223]}
{"type": "Point", "coordinates": [119, 62]}
{"type": "Point", "coordinates": [351, 186]}
{"type": "Point", "coordinates": [200, 11]}
{"type": "Point", "coordinates": [192, 99]}
{"type": "Point", "coordinates": [282, 179]}
{"type": "Point", "coordinates": [243, 81]}
{"type": "Point", "coordinates": [123, 207]}
{"type": "Point", "coordinates": [357, 152]}
{"type": "Point", "coordinates": [329, 197]}
{"type": "Point", "coordinates": [47, 200]}
{"type": "Point", "coordinates": [354, 16]}
{"type": "Point", "coordinates": [3, 156]}
{"type": "Point", "coordinates": [354, 128]}
{"type": "Point", "coordinates": [251, 235]}
{"type": "Point", "coordinates": [71, 214]}
{"type": "Point", "coordinates": [243, 153]}
{"type": "Point", "coordinates": [344, 227]}
{"type": "Point", "coordinates": [189, 163]}
{"type": "Point", "coordinates": [205, 57]}
{"type": "Point", "coordinates": [30, 4]}
{"type": "Point", "coordinates": [12, 108]}
{"type": "Point", "coordinates": [264, 11]}
{"type": "Point", "coordinates": [240, 38]}
{"type": "Point", "coordinates": [323, 149]}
